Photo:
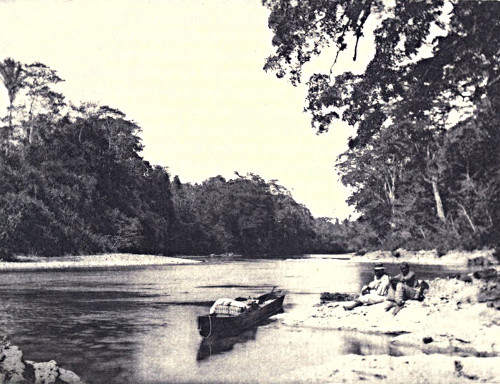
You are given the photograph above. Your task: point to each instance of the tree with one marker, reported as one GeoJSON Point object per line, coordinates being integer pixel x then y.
{"type": "Point", "coordinates": [77, 183]}
{"type": "Point", "coordinates": [436, 65]}
{"type": "Point", "coordinates": [12, 76]}
{"type": "Point", "coordinates": [41, 98]}
{"type": "Point", "coordinates": [245, 215]}
{"type": "Point", "coordinates": [303, 29]}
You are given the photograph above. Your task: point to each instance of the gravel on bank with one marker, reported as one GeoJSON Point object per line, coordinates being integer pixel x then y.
{"type": "Point", "coordinates": [90, 261]}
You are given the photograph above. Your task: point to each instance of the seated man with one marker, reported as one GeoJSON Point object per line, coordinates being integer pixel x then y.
{"type": "Point", "coordinates": [375, 292]}
{"type": "Point", "coordinates": [404, 286]}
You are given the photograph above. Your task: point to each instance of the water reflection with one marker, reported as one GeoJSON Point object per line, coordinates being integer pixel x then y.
{"type": "Point", "coordinates": [214, 345]}
{"type": "Point", "coordinates": [361, 344]}
{"type": "Point", "coordinates": [139, 326]}
{"type": "Point", "coordinates": [82, 330]}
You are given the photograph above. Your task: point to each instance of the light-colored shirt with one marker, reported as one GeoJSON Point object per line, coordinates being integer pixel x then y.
{"type": "Point", "coordinates": [379, 285]}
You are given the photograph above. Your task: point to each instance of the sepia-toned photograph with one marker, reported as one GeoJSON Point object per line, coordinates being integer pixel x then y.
{"type": "Point", "coordinates": [249, 191]}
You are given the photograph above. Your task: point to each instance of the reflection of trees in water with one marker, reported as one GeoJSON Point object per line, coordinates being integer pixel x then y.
{"type": "Point", "coordinates": [85, 331]}
{"type": "Point", "coordinates": [214, 345]}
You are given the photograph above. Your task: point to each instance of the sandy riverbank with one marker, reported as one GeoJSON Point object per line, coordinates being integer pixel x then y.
{"type": "Point", "coordinates": [454, 331]}
{"type": "Point", "coordinates": [484, 257]}
{"type": "Point", "coordinates": [90, 261]}
{"type": "Point", "coordinates": [452, 258]}
{"type": "Point", "coordinates": [415, 369]}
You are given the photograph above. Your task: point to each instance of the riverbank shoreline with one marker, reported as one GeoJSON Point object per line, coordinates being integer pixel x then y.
{"type": "Point", "coordinates": [111, 260]}
{"type": "Point", "coordinates": [476, 258]}
{"type": "Point", "coordinates": [452, 336]}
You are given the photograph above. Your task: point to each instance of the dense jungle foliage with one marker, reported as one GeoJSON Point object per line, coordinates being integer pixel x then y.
{"type": "Point", "coordinates": [423, 161]}
{"type": "Point", "coordinates": [74, 182]}
{"type": "Point", "coordinates": [422, 164]}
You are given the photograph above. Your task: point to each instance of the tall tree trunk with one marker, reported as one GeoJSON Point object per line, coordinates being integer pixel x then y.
{"type": "Point", "coordinates": [10, 129]}
{"type": "Point", "coordinates": [437, 198]}
{"type": "Point", "coordinates": [11, 106]}
{"type": "Point", "coordinates": [471, 223]}
{"type": "Point", "coordinates": [30, 122]}
{"type": "Point", "coordinates": [390, 190]}
{"type": "Point", "coordinates": [30, 137]}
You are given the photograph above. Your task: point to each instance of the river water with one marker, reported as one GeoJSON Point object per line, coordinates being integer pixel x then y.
{"type": "Point", "coordinates": [134, 325]}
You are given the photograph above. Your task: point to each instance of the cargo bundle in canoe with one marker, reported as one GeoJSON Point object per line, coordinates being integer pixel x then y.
{"type": "Point", "coordinates": [230, 317]}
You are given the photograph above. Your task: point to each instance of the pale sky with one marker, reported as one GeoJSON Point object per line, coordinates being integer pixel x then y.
{"type": "Point", "coordinates": [189, 72]}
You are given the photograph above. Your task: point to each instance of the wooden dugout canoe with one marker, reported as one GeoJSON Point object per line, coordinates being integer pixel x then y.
{"type": "Point", "coordinates": [269, 304]}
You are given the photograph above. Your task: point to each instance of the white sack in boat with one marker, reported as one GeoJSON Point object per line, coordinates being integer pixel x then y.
{"type": "Point", "coordinates": [225, 306]}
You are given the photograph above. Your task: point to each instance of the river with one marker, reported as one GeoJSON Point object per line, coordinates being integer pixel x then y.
{"type": "Point", "coordinates": [138, 325]}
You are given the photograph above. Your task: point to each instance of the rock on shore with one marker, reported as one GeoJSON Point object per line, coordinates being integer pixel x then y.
{"type": "Point", "coordinates": [15, 370]}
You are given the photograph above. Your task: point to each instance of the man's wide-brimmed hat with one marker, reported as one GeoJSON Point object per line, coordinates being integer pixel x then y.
{"type": "Point", "coordinates": [379, 267]}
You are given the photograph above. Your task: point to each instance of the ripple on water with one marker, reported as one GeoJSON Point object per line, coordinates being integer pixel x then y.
{"type": "Point", "coordinates": [133, 326]}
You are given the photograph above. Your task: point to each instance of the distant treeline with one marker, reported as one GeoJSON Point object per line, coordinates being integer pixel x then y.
{"type": "Point", "coordinates": [74, 182]}
{"type": "Point", "coordinates": [248, 215]}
